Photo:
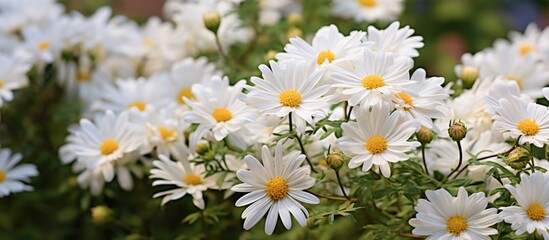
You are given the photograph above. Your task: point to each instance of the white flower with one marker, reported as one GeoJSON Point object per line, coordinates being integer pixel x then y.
{"type": "Point", "coordinates": [503, 89]}
{"type": "Point", "coordinates": [368, 10]}
{"type": "Point", "coordinates": [372, 79]}
{"type": "Point", "coordinates": [400, 42]}
{"type": "Point", "coordinates": [275, 187]}
{"type": "Point", "coordinates": [165, 130]}
{"type": "Point", "coordinates": [529, 42]}
{"type": "Point", "coordinates": [533, 200]}
{"type": "Point", "coordinates": [470, 66]}
{"type": "Point", "coordinates": [442, 216]}
{"type": "Point", "coordinates": [13, 75]}
{"type": "Point", "coordinates": [289, 89]}
{"type": "Point", "coordinates": [516, 117]}
{"type": "Point", "coordinates": [12, 178]}
{"type": "Point", "coordinates": [329, 46]}
{"type": "Point", "coordinates": [187, 179]}
{"type": "Point", "coordinates": [44, 43]}
{"type": "Point", "coordinates": [272, 11]}
{"type": "Point", "coordinates": [217, 108]}
{"type": "Point", "coordinates": [423, 100]}
{"type": "Point", "coordinates": [377, 138]}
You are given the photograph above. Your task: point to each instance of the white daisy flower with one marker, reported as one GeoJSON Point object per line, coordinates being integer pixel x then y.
{"type": "Point", "coordinates": [502, 88]}
{"type": "Point", "coordinates": [517, 117]}
{"type": "Point", "coordinates": [289, 89]}
{"type": "Point", "coordinates": [531, 195]}
{"type": "Point", "coordinates": [442, 216]}
{"type": "Point", "coordinates": [44, 43]}
{"type": "Point", "coordinates": [165, 130]}
{"type": "Point", "coordinates": [528, 43]}
{"type": "Point", "coordinates": [377, 138]}
{"type": "Point", "coordinates": [368, 10]}
{"type": "Point", "coordinates": [423, 100]}
{"type": "Point", "coordinates": [12, 178]}
{"type": "Point", "coordinates": [217, 108]}
{"type": "Point", "coordinates": [372, 79]}
{"type": "Point", "coordinates": [329, 46]}
{"type": "Point", "coordinates": [275, 187]}
{"type": "Point", "coordinates": [187, 178]}
{"type": "Point", "coordinates": [400, 42]}
{"type": "Point", "coordinates": [13, 75]}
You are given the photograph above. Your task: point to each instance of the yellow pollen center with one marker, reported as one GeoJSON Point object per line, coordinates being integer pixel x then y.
{"type": "Point", "coordinates": [222, 114]}
{"type": "Point", "coordinates": [166, 133]}
{"type": "Point", "coordinates": [83, 76]}
{"type": "Point", "coordinates": [536, 212]}
{"type": "Point", "coordinates": [2, 176]}
{"type": "Point", "coordinates": [456, 225]}
{"type": "Point", "coordinates": [148, 42]}
{"type": "Point", "coordinates": [139, 105]}
{"type": "Point", "coordinates": [516, 79]}
{"type": "Point", "coordinates": [528, 127]}
{"type": "Point", "coordinates": [44, 45]}
{"type": "Point", "coordinates": [367, 3]}
{"type": "Point", "coordinates": [290, 98]}
{"type": "Point", "coordinates": [326, 54]}
{"type": "Point", "coordinates": [108, 146]}
{"type": "Point", "coordinates": [376, 144]}
{"type": "Point", "coordinates": [192, 179]}
{"type": "Point", "coordinates": [526, 48]}
{"type": "Point", "coordinates": [1, 84]}
{"type": "Point", "coordinates": [185, 92]}
{"type": "Point", "coordinates": [372, 82]}
{"type": "Point", "coordinates": [404, 97]}
{"type": "Point", "coordinates": [277, 189]}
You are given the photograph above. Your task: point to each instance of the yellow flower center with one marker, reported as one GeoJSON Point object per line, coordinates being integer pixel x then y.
{"type": "Point", "coordinates": [222, 114]}
{"type": "Point", "coordinates": [185, 92]}
{"type": "Point", "coordinates": [516, 79]}
{"type": "Point", "coordinates": [376, 144]}
{"type": "Point", "coordinates": [404, 97]}
{"type": "Point", "coordinates": [1, 84]}
{"type": "Point", "coordinates": [456, 225]}
{"type": "Point", "coordinates": [528, 127]}
{"type": "Point", "coordinates": [192, 179]}
{"type": "Point", "coordinates": [2, 176]}
{"type": "Point", "coordinates": [148, 42]}
{"type": "Point", "coordinates": [290, 98]}
{"type": "Point", "coordinates": [83, 76]}
{"type": "Point", "coordinates": [277, 189]}
{"type": "Point", "coordinates": [525, 48]}
{"type": "Point", "coordinates": [108, 146]}
{"type": "Point", "coordinates": [326, 54]}
{"type": "Point", "coordinates": [373, 82]}
{"type": "Point", "coordinates": [166, 133]}
{"type": "Point", "coordinates": [367, 3]}
{"type": "Point", "coordinates": [140, 105]}
{"type": "Point", "coordinates": [44, 45]}
{"type": "Point", "coordinates": [536, 212]}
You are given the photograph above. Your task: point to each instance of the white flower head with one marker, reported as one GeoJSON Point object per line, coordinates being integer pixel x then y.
{"type": "Point", "coordinates": [442, 216]}
{"type": "Point", "coordinates": [533, 204]}
{"type": "Point", "coordinates": [12, 177]}
{"type": "Point", "coordinates": [377, 138]}
{"type": "Point", "coordinates": [372, 79]}
{"type": "Point", "coordinates": [400, 42]}
{"type": "Point", "coordinates": [274, 188]}
{"type": "Point", "coordinates": [368, 10]}
{"type": "Point", "coordinates": [13, 75]}
{"type": "Point", "coordinates": [292, 88]}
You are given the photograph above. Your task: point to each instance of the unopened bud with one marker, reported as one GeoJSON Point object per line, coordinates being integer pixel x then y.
{"type": "Point", "coordinates": [202, 147]}
{"type": "Point", "coordinates": [212, 20]}
{"type": "Point", "coordinates": [468, 75]}
{"type": "Point", "coordinates": [425, 135]}
{"type": "Point", "coordinates": [294, 32]}
{"type": "Point", "coordinates": [270, 55]}
{"type": "Point", "coordinates": [295, 19]}
{"type": "Point", "coordinates": [102, 214]}
{"type": "Point", "coordinates": [457, 130]}
{"type": "Point", "coordinates": [519, 158]}
{"type": "Point", "coordinates": [311, 223]}
{"type": "Point", "coordinates": [335, 160]}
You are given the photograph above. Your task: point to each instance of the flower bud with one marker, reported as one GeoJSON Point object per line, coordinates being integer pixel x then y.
{"type": "Point", "coordinates": [457, 130]}
{"type": "Point", "coordinates": [102, 214]}
{"type": "Point", "coordinates": [425, 135]}
{"type": "Point", "coordinates": [519, 158]}
{"type": "Point", "coordinates": [295, 19]}
{"type": "Point", "coordinates": [202, 147]}
{"type": "Point", "coordinates": [212, 20]}
{"type": "Point", "coordinates": [270, 55]}
{"type": "Point", "coordinates": [468, 75]}
{"type": "Point", "coordinates": [335, 160]}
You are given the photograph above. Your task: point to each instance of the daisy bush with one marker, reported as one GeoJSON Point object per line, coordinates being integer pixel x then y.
{"type": "Point", "coordinates": [233, 119]}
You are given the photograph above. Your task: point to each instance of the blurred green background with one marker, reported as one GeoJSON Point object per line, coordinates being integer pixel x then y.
{"type": "Point", "coordinates": [58, 209]}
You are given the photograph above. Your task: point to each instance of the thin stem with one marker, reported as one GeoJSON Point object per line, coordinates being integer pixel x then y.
{"type": "Point", "coordinates": [533, 166]}
{"type": "Point", "coordinates": [348, 116]}
{"type": "Point", "coordinates": [423, 157]}
{"type": "Point", "coordinates": [460, 159]}
{"type": "Point", "coordinates": [334, 197]}
{"type": "Point", "coordinates": [341, 184]}
{"type": "Point", "coordinates": [290, 122]}
{"type": "Point", "coordinates": [220, 48]}
{"type": "Point", "coordinates": [304, 153]}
